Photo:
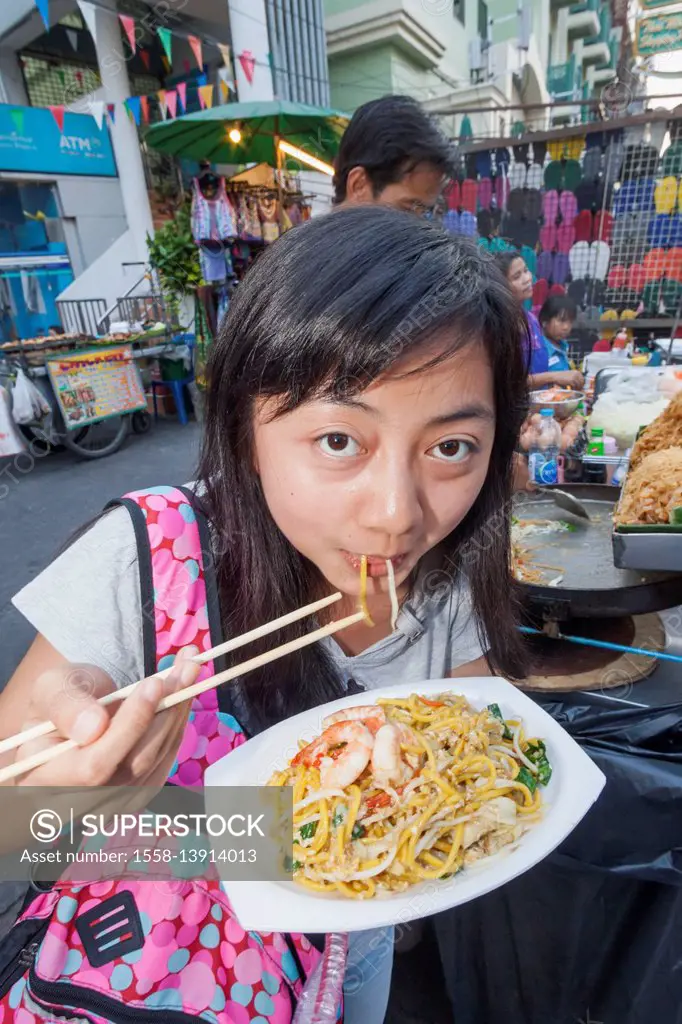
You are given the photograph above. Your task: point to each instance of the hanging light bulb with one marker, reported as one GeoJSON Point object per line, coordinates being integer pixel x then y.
{"type": "Point", "coordinates": [235, 136]}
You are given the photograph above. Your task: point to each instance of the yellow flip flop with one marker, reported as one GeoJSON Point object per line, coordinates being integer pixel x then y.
{"type": "Point", "coordinates": [666, 195]}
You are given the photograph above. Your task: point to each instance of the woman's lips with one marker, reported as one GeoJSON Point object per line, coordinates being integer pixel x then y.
{"type": "Point", "coordinates": [376, 565]}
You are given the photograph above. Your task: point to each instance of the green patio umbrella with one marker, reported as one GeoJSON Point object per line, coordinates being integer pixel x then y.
{"type": "Point", "coordinates": [205, 135]}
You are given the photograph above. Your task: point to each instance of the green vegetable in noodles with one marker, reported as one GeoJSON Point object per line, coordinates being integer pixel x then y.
{"type": "Point", "coordinates": [495, 711]}
{"type": "Point", "coordinates": [308, 831]}
{"type": "Point", "coordinates": [527, 779]}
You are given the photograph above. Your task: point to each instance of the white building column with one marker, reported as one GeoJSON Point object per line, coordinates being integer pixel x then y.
{"type": "Point", "coordinates": [116, 88]}
{"type": "Point", "coordinates": [12, 88]}
{"type": "Point", "coordinates": [249, 29]}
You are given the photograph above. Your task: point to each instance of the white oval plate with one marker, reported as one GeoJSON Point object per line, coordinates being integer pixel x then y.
{"type": "Point", "coordinates": [286, 907]}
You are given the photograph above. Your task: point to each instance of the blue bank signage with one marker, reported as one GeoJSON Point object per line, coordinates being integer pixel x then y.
{"type": "Point", "coordinates": [30, 141]}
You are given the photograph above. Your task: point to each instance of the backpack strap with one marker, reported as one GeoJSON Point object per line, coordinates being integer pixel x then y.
{"type": "Point", "coordinates": [180, 607]}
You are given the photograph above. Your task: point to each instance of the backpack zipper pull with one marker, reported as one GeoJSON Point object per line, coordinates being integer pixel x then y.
{"type": "Point", "coordinates": [28, 954]}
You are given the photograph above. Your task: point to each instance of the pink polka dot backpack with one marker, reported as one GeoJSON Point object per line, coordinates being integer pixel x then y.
{"type": "Point", "coordinates": [171, 952]}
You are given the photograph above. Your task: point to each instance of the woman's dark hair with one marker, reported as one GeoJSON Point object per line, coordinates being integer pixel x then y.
{"type": "Point", "coordinates": [562, 306]}
{"type": "Point", "coordinates": [389, 137]}
{"type": "Point", "coordinates": [325, 311]}
{"type": "Point", "coordinates": [504, 260]}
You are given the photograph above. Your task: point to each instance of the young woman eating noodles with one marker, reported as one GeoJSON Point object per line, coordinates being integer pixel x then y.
{"type": "Point", "coordinates": [366, 393]}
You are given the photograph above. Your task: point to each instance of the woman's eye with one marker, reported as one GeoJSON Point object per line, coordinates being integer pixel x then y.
{"type": "Point", "coordinates": [452, 451]}
{"type": "Point", "coordinates": [338, 444]}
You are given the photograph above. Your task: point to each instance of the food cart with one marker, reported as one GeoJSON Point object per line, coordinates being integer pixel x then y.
{"type": "Point", "coordinates": [93, 386]}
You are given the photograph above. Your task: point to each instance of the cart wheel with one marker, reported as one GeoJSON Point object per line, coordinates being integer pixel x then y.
{"type": "Point", "coordinates": [100, 439]}
{"type": "Point", "coordinates": [142, 422]}
{"type": "Point", "coordinates": [39, 441]}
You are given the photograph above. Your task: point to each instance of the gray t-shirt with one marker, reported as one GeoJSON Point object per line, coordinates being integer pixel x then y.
{"type": "Point", "coordinates": [87, 605]}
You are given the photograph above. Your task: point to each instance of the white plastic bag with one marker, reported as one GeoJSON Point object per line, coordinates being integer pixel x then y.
{"type": "Point", "coordinates": [28, 404]}
{"type": "Point", "coordinates": [11, 442]}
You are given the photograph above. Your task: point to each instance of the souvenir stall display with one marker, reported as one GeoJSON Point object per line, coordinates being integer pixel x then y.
{"type": "Point", "coordinates": [232, 221]}
{"type": "Point", "coordinates": [597, 215]}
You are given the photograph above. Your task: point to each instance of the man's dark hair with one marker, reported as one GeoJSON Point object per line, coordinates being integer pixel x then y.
{"type": "Point", "coordinates": [389, 137]}
{"type": "Point", "coordinates": [562, 306]}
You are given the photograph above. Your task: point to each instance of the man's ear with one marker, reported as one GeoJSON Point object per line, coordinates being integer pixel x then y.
{"type": "Point", "coordinates": [358, 186]}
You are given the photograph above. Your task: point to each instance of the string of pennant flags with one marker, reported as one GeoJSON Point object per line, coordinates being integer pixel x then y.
{"type": "Point", "coordinates": [170, 102]}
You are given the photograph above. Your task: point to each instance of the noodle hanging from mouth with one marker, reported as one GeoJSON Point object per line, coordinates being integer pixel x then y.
{"type": "Point", "coordinates": [395, 606]}
{"type": "Point", "coordinates": [363, 591]}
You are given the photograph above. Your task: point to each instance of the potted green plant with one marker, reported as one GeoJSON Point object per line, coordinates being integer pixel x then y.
{"type": "Point", "coordinates": [175, 257]}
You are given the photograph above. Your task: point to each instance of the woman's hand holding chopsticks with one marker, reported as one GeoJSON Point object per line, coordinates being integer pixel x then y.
{"type": "Point", "coordinates": [118, 744]}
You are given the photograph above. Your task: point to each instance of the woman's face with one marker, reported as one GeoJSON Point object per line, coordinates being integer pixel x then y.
{"type": "Point", "coordinates": [520, 280]}
{"type": "Point", "coordinates": [388, 473]}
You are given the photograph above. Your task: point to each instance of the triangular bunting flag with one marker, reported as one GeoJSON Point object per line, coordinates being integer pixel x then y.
{"type": "Point", "coordinates": [17, 116]}
{"type": "Point", "coordinates": [97, 108]}
{"type": "Point", "coordinates": [89, 13]}
{"type": "Point", "coordinates": [172, 102]}
{"type": "Point", "coordinates": [72, 36]}
{"type": "Point", "coordinates": [206, 96]}
{"type": "Point", "coordinates": [61, 76]}
{"type": "Point", "coordinates": [134, 106]}
{"type": "Point", "coordinates": [58, 115]}
{"type": "Point", "coordinates": [164, 35]}
{"type": "Point", "coordinates": [42, 6]}
{"type": "Point", "coordinates": [79, 77]}
{"type": "Point", "coordinates": [146, 59]}
{"type": "Point", "coordinates": [187, 66]}
{"type": "Point", "coordinates": [225, 54]}
{"type": "Point", "coordinates": [144, 104]}
{"type": "Point", "coordinates": [129, 26]}
{"type": "Point", "coordinates": [161, 96]}
{"type": "Point", "coordinates": [195, 43]}
{"type": "Point", "coordinates": [248, 63]}
{"type": "Point", "coordinates": [201, 80]}
{"type": "Point", "coordinates": [111, 111]}
{"type": "Point", "coordinates": [182, 95]}
{"type": "Point", "coordinates": [225, 90]}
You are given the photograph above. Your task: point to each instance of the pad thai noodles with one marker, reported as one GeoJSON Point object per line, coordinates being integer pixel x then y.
{"type": "Point", "coordinates": [409, 789]}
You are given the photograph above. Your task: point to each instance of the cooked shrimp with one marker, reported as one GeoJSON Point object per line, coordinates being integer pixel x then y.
{"type": "Point", "coordinates": [341, 753]}
{"type": "Point", "coordinates": [388, 767]}
{"type": "Point", "coordinates": [370, 715]}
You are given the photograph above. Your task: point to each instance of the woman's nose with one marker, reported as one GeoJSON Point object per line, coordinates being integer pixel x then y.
{"type": "Point", "coordinates": [393, 504]}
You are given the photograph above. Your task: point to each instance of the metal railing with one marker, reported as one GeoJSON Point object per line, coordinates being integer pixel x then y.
{"type": "Point", "coordinates": [81, 316]}
{"type": "Point", "coordinates": [144, 308]}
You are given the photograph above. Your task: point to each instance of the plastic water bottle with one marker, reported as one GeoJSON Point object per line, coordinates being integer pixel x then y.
{"type": "Point", "coordinates": [543, 458]}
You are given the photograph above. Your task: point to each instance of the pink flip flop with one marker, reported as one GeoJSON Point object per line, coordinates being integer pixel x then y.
{"type": "Point", "coordinates": [502, 191]}
{"type": "Point", "coordinates": [469, 195]}
{"type": "Point", "coordinates": [565, 236]}
{"type": "Point", "coordinates": [485, 193]}
{"type": "Point", "coordinates": [568, 207]}
{"type": "Point", "coordinates": [548, 237]}
{"type": "Point", "coordinates": [550, 206]}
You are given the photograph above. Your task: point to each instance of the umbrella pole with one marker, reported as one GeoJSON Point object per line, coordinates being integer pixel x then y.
{"type": "Point", "coordinates": [278, 175]}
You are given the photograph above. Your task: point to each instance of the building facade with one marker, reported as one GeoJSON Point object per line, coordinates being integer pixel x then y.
{"type": "Point", "coordinates": [463, 54]}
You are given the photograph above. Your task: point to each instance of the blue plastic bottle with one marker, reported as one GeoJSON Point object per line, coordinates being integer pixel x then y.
{"type": "Point", "coordinates": [543, 463]}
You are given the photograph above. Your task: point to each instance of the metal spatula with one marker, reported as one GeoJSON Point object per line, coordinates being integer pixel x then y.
{"type": "Point", "coordinates": [567, 502]}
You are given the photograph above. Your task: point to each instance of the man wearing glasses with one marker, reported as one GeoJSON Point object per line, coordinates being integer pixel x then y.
{"type": "Point", "coordinates": [392, 152]}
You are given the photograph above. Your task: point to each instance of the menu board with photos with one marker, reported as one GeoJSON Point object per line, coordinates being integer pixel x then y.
{"type": "Point", "coordinates": [92, 386]}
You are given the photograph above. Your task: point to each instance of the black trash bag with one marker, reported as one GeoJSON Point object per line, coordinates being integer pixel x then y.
{"type": "Point", "coordinates": [594, 932]}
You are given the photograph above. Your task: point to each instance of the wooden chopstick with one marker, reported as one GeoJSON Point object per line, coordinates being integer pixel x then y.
{"type": "Point", "coordinates": [45, 728]}
{"type": "Point", "coordinates": [188, 693]}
